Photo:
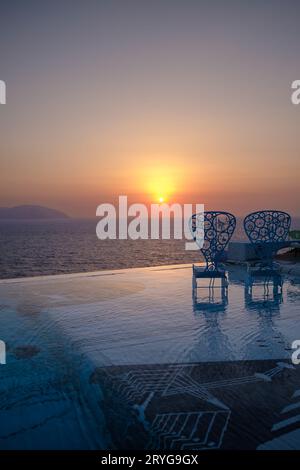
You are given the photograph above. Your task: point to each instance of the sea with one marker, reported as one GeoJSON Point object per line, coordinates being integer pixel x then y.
{"type": "Point", "coordinates": [45, 247]}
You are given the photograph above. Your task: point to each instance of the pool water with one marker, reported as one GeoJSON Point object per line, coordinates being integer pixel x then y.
{"type": "Point", "coordinates": [128, 359]}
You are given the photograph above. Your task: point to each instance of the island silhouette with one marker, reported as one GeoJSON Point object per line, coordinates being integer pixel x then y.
{"type": "Point", "coordinates": [31, 212]}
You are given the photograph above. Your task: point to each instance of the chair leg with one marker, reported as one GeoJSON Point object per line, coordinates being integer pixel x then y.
{"type": "Point", "coordinates": [194, 285]}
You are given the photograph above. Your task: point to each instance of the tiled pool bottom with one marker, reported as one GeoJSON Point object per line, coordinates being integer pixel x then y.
{"type": "Point", "coordinates": [124, 359]}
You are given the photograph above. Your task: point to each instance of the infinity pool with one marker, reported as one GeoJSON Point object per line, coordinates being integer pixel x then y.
{"type": "Point", "coordinates": [127, 359]}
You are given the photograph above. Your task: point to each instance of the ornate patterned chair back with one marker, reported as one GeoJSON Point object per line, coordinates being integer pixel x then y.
{"type": "Point", "coordinates": [218, 228]}
{"type": "Point", "coordinates": [266, 229]}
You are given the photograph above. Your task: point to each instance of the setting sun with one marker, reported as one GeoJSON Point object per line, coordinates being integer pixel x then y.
{"type": "Point", "coordinates": [160, 182]}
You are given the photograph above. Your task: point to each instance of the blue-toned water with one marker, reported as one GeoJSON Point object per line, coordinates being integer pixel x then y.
{"type": "Point", "coordinates": [125, 359]}
{"type": "Point", "coordinates": [128, 359]}
{"type": "Point", "coordinates": [30, 248]}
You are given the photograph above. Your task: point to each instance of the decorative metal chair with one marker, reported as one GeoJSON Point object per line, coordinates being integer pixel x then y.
{"type": "Point", "coordinates": [216, 228]}
{"type": "Point", "coordinates": [267, 298]}
{"type": "Point", "coordinates": [268, 230]}
{"type": "Point", "coordinates": [214, 302]}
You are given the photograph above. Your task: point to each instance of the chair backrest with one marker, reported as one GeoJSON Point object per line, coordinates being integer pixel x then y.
{"type": "Point", "coordinates": [218, 228]}
{"type": "Point", "coordinates": [267, 229]}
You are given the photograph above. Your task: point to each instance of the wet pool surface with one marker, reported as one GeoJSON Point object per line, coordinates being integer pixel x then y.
{"type": "Point", "coordinates": [126, 359]}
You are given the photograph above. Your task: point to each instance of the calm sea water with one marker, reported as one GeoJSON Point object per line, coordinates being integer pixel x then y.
{"type": "Point", "coordinates": [31, 248]}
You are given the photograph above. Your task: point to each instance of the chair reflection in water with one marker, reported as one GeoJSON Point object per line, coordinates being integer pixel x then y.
{"type": "Point", "coordinates": [213, 230]}
{"type": "Point", "coordinates": [268, 231]}
{"type": "Point", "coordinates": [271, 286]}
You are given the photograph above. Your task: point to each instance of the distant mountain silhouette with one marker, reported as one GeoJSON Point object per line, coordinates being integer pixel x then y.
{"type": "Point", "coordinates": [30, 212]}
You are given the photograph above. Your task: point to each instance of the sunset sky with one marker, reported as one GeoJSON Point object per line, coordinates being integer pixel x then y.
{"type": "Point", "coordinates": [187, 100]}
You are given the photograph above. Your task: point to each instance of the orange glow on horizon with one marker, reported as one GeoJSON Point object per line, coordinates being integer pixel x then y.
{"type": "Point", "coordinates": [162, 181]}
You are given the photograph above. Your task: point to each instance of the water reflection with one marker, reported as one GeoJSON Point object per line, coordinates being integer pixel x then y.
{"type": "Point", "coordinates": [265, 294]}
{"type": "Point", "coordinates": [263, 297]}
{"type": "Point", "coordinates": [293, 290]}
{"type": "Point", "coordinates": [212, 297]}
{"type": "Point", "coordinates": [263, 291]}
{"type": "Point", "coordinates": [210, 303]}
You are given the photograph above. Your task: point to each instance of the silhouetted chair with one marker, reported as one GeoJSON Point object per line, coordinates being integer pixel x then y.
{"type": "Point", "coordinates": [216, 229]}
{"type": "Point", "coordinates": [268, 230]}
{"type": "Point", "coordinates": [266, 297]}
